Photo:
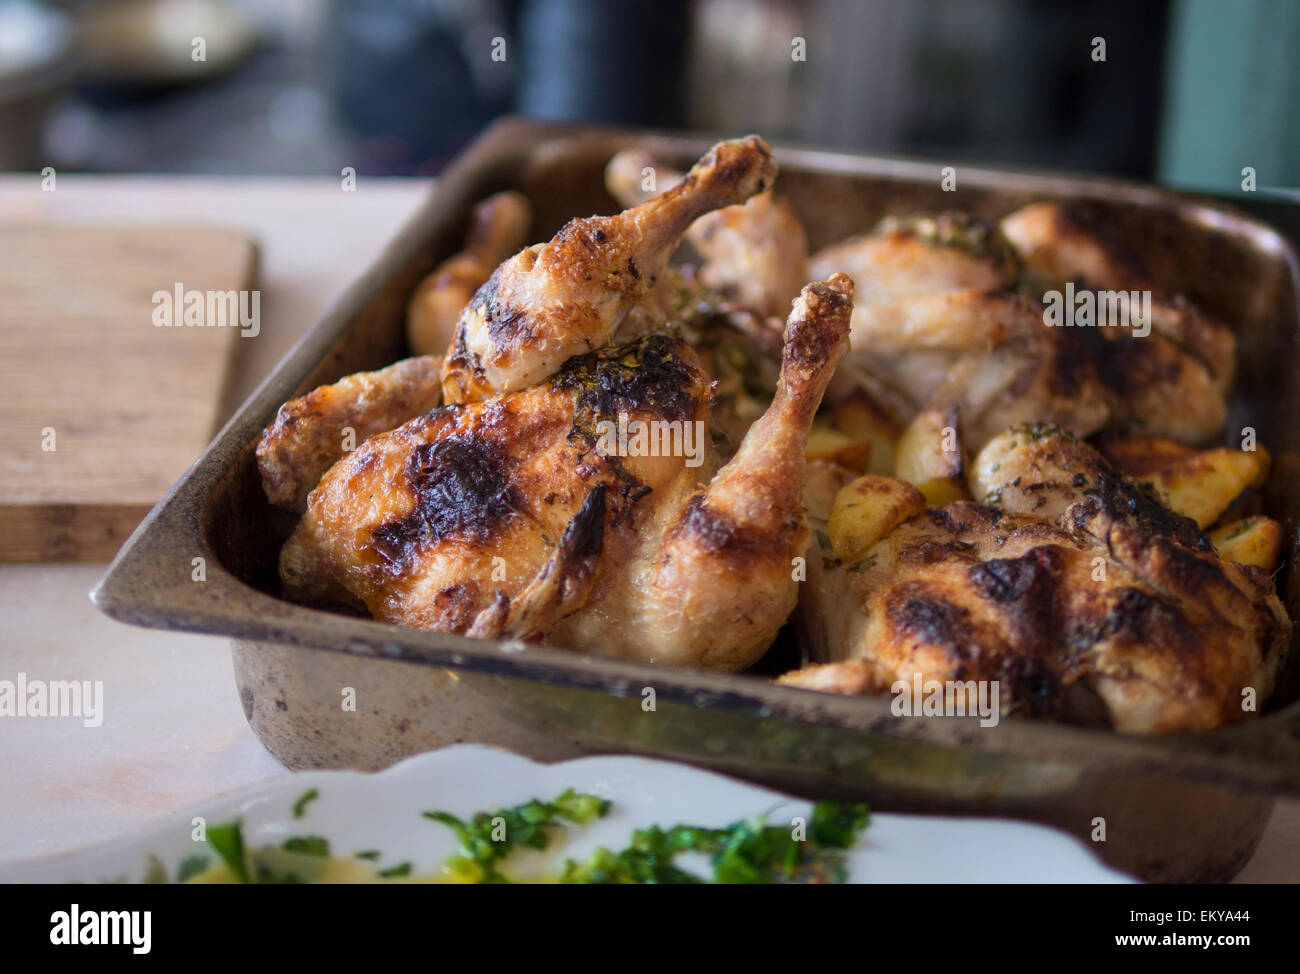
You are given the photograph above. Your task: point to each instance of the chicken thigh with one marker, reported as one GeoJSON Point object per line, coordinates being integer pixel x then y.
{"type": "Point", "coordinates": [311, 432]}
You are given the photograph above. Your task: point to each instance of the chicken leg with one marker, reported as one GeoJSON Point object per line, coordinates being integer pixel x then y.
{"type": "Point", "coordinates": [566, 297]}
{"type": "Point", "coordinates": [755, 254]}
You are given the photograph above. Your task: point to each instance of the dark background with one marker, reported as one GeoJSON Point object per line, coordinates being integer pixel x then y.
{"type": "Point", "coordinates": [1190, 91]}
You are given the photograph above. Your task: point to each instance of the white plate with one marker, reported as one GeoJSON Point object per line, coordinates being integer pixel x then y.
{"type": "Point", "coordinates": [357, 811]}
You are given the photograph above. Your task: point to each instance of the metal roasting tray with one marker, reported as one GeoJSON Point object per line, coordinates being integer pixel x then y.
{"type": "Point", "coordinates": [1178, 808]}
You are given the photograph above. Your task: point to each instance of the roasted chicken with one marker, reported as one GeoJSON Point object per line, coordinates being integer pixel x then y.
{"type": "Point", "coordinates": [986, 354]}
{"type": "Point", "coordinates": [507, 518]}
{"type": "Point", "coordinates": [933, 314]}
{"type": "Point", "coordinates": [914, 257]}
{"type": "Point", "coordinates": [1079, 592]}
{"type": "Point", "coordinates": [935, 326]}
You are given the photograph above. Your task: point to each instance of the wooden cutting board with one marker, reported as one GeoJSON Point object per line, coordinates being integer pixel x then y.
{"type": "Point", "coordinates": [101, 409]}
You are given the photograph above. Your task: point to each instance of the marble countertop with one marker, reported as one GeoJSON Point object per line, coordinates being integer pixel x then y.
{"type": "Point", "coordinates": [173, 732]}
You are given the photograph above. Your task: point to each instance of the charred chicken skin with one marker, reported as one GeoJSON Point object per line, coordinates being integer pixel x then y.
{"type": "Point", "coordinates": [1168, 379]}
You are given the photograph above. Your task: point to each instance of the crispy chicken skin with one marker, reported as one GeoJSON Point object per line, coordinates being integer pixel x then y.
{"type": "Point", "coordinates": [498, 227]}
{"type": "Point", "coordinates": [311, 433]}
{"type": "Point", "coordinates": [503, 518]}
{"type": "Point", "coordinates": [1080, 594]}
{"type": "Point", "coordinates": [756, 254]}
{"type": "Point", "coordinates": [567, 297]}
{"type": "Point", "coordinates": [1171, 382]}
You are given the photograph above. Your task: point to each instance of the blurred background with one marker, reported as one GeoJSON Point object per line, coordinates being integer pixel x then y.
{"type": "Point", "coordinates": [1184, 91]}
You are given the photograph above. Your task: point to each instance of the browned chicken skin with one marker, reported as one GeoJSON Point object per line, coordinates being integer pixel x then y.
{"type": "Point", "coordinates": [505, 518]}
{"type": "Point", "coordinates": [1079, 593]}
{"type": "Point", "coordinates": [498, 227]}
{"type": "Point", "coordinates": [567, 297]}
{"type": "Point", "coordinates": [311, 433]}
{"type": "Point", "coordinates": [756, 254]}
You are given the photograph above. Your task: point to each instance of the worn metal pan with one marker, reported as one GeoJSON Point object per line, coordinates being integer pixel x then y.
{"type": "Point", "coordinates": [327, 690]}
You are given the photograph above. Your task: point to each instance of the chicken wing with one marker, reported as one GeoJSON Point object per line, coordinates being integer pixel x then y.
{"type": "Point", "coordinates": [311, 433]}
{"type": "Point", "coordinates": [498, 227]}
{"type": "Point", "coordinates": [756, 254]}
{"type": "Point", "coordinates": [519, 516]}
{"type": "Point", "coordinates": [567, 297]}
{"type": "Point", "coordinates": [1079, 593]}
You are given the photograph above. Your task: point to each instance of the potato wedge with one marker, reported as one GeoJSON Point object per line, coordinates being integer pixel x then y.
{"type": "Point", "coordinates": [861, 419]}
{"type": "Point", "coordinates": [1202, 486]}
{"type": "Point", "coordinates": [931, 456]}
{"type": "Point", "coordinates": [1250, 541]}
{"type": "Point", "coordinates": [867, 509]}
{"type": "Point", "coordinates": [825, 443]}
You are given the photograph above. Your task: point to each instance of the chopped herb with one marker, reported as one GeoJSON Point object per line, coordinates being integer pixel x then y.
{"type": "Point", "coordinates": [307, 797]}
{"type": "Point", "coordinates": [228, 840]}
{"type": "Point", "coordinates": [401, 869]}
{"type": "Point", "coordinates": [191, 867]}
{"type": "Point", "coordinates": [489, 837]}
{"type": "Point", "coordinates": [371, 854]}
{"type": "Point", "coordinates": [310, 845]}
{"type": "Point", "coordinates": [865, 564]}
{"type": "Point", "coordinates": [745, 852]}
{"type": "Point", "coordinates": [836, 824]}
